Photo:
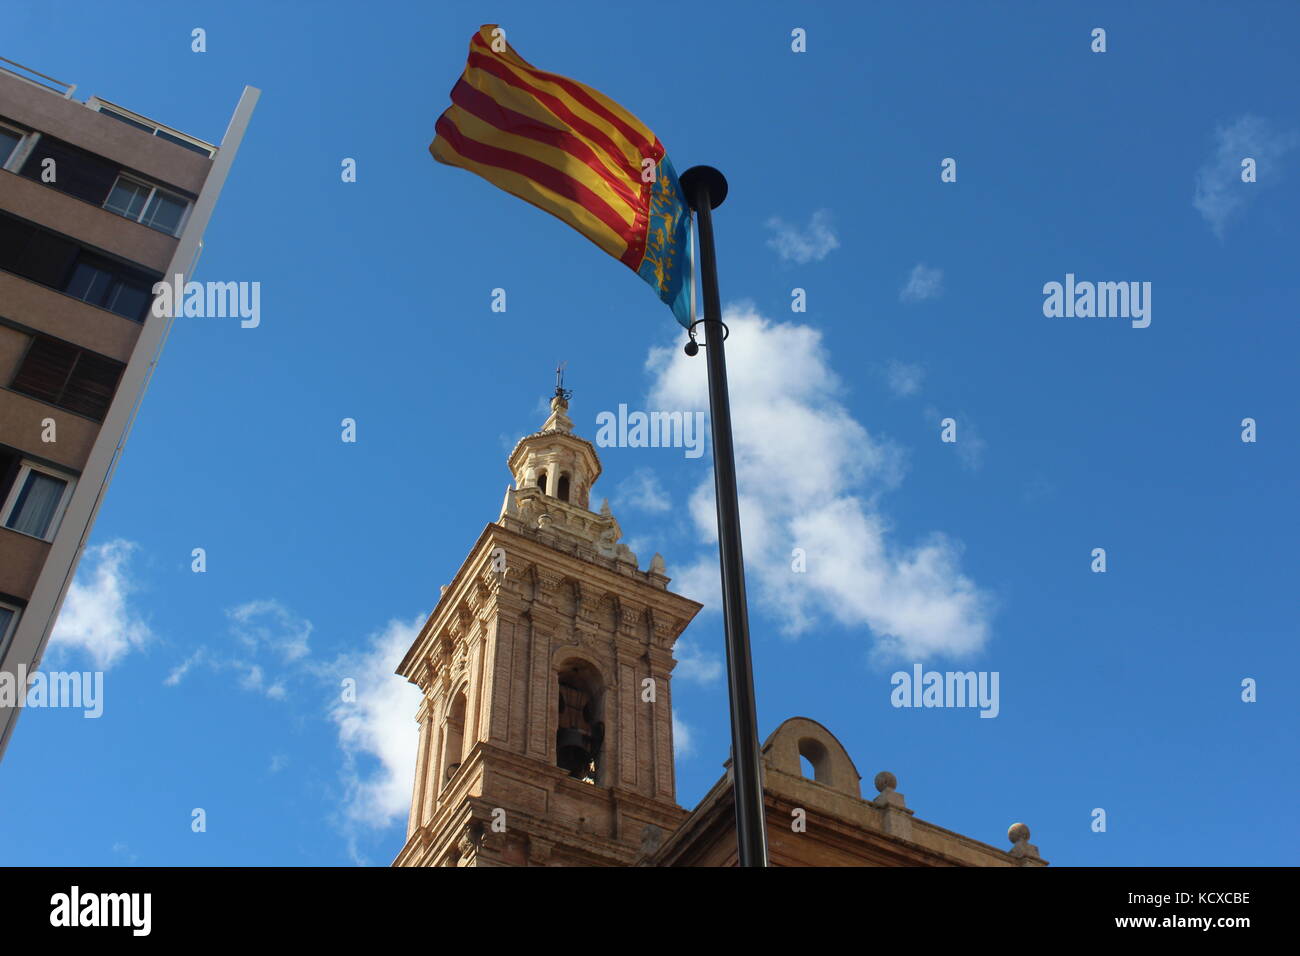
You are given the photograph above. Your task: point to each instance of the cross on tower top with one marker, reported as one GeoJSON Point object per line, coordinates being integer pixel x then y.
{"type": "Point", "coordinates": [560, 390]}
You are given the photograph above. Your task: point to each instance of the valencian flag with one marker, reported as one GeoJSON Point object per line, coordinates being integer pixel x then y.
{"type": "Point", "coordinates": [575, 153]}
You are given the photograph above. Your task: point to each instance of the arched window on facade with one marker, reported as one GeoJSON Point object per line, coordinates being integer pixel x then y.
{"type": "Point", "coordinates": [580, 733]}
{"type": "Point", "coordinates": [453, 748]}
{"type": "Point", "coordinates": [562, 492]}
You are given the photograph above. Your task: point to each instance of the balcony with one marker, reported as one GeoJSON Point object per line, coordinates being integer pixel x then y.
{"type": "Point", "coordinates": [87, 223]}
{"type": "Point", "coordinates": [158, 152]}
{"type": "Point", "coordinates": [67, 318]}
{"type": "Point", "coordinates": [28, 75]}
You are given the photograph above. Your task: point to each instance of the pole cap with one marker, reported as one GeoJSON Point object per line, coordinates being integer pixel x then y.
{"type": "Point", "coordinates": [706, 176]}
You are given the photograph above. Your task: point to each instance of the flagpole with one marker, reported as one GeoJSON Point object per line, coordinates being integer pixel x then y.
{"type": "Point", "coordinates": [705, 189]}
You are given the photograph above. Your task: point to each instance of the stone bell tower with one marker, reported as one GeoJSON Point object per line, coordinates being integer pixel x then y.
{"type": "Point", "coordinates": [546, 734]}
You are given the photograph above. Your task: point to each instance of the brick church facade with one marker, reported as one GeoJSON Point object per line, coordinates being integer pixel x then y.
{"type": "Point", "coordinates": [546, 733]}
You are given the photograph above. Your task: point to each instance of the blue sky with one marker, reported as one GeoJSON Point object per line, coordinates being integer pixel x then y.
{"type": "Point", "coordinates": [1118, 690]}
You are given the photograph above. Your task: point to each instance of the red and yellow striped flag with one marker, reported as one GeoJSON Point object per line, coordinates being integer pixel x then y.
{"type": "Point", "coordinates": [574, 153]}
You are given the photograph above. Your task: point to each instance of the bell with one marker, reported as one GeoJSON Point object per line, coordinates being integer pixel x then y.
{"type": "Point", "coordinates": [572, 751]}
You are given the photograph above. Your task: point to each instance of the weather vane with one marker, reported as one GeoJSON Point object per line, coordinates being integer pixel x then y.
{"type": "Point", "coordinates": [560, 390]}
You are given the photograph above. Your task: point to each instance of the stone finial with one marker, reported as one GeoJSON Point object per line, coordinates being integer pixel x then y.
{"type": "Point", "coordinates": [1018, 834]}
{"type": "Point", "coordinates": [896, 819]}
{"type": "Point", "coordinates": [442, 590]}
{"type": "Point", "coordinates": [886, 783]}
{"type": "Point", "coordinates": [657, 564]}
{"type": "Point", "coordinates": [604, 506]}
{"type": "Point", "coordinates": [559, 421]}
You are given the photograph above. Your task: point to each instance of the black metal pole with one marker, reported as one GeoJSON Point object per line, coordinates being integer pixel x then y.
{"type": "Point", "coordinates": [705, 189]}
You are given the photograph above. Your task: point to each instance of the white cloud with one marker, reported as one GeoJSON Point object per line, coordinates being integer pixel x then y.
{"type": "Point", "coordinates": [970, 449]}
{"type": "Point", "coordinates": [97, 616]}
{"type": "Point", "coordinates": [811, 477]}
{"type": "Point", "coordinates": [683, 744]}
{"type": "Point", "coordinates": [922, 283]}
{"type": "Point", "coordinates": [269, 625]}
{"type": "Point", "coordinates": [261, 629]}
{"type": "Point", "coordinates": [802, 246]}
{"type": "Point", "coordinates": [694, 664]}
{"type": "Point", "coordinates": [700, 579]}
{"type": "Point", "coordinates": [1220, 194]}
{"type": "Point", "coordinates": [642, 490]}
{"type": "Point", "coordinates": [178, 672]}
{"type": "Point", "coordinates": [903, 379]}
{"type": "Point", "coordinates": [377, 732]}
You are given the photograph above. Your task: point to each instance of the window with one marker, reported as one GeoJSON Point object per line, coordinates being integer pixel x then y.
{"type": "Point", "coordinates": [153, 130]}
{"type": "Point", "coordinates": [9, 140]}
{"type": "Point", "coordinates": [147, 204]}
{"type": "Point", "coordinates": [100, 282]}
{"type": "Point", "coordinates": [34, 253]}
{"type": "Point", "coordinates": [69, 377]}
{"type": "Point", "coordinates": [563, 488]}
{"type": "Point", "coordinates": [8, 624]}
{"type": "Point", "coordinates": [50, 259]}
{"type": "Point", "coordinates": [36, 501]}
{"type": "Point", "coordinates": [127, 198]}
{"type": "Point", "coordinates": [76, 172]}
{"type": "Point", "coordinates": [165, 212]}
{"type": "Point", "coordinates": [10, 461]}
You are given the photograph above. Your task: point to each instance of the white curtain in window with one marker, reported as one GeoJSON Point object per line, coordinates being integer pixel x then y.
{"type": "Point", "coordinates": [6, 619]}
{"type": "Point", "coordinates": [37, 502]}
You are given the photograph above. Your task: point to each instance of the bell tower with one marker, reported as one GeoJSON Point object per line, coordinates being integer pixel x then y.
{"type": "Point", "coordinates": [546, 721]}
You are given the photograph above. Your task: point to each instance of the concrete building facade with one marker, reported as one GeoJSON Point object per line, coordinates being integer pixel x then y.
{"type": "Point", "coordinates": [97, 204]}
{"type": "Point", "coordinates": [546, 732]}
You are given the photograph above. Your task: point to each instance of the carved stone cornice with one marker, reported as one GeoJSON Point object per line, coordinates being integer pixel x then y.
{"type": "Point", "coordinates": [664, 629]}
{"type": "Point", "coordinates": [662, 662]}
{"type": "Point", "coordinates": [631, 620]}
{"type": "Point", "coordinates": [424, 674]}
{"type": "Point", "coordinates": [548, 585]}
{"type": "Point", "coordinates": [508, 605]}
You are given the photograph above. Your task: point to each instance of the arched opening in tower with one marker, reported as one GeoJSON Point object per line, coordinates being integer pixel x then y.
{"type": "Point", "coordinates": [453, 751]}
{"type": "Point", "coordinates": [580, 735]}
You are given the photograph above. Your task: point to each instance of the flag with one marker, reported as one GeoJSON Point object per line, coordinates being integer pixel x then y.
{"type": "Point", "coordinates": [574, 153]}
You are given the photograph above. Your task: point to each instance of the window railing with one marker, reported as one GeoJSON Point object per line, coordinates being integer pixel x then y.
{"type": "Point", "coordinates": [36, 78]}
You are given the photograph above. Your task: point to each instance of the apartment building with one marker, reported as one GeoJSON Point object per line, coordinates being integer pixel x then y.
{"type": "Point", "coordinates": [97, 204]}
